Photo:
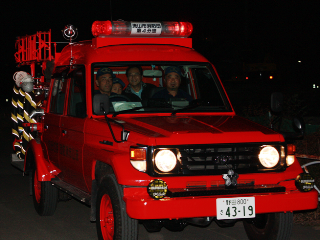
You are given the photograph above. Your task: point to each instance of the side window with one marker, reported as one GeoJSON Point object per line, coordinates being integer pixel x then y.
{"type": "Point", "coordinates": [58, 95]}
{"type": "Point", "coordinates": [206, 87]}
{"type": "Point", "coordinates": [77, 96]}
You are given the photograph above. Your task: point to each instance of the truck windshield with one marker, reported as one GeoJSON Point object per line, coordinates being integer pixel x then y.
{"type": "Point", "coordinates": [159, 87]}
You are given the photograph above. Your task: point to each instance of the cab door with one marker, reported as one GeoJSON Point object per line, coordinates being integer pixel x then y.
{"type": "Point", "coordinates": [72, 131]}
{"type": "Point", "coordinates": [52, 130]}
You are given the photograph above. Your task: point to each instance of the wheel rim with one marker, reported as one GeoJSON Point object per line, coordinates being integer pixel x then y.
{"type": "Point", "coordinates": [106, 217]}
{"type": "Point", "coordinates": [36, 187]}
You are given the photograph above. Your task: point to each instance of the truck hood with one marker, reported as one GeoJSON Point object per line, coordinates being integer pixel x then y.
{"type": "Point", "coordinates": [198, 130]}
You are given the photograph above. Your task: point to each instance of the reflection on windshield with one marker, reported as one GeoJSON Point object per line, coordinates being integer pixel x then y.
{"type": "Point", "coordinates": [160, 88]}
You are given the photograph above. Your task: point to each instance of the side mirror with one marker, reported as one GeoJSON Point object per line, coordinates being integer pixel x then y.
{"type": "Point", "coordinates": [276, 102]}
{"type": "Point", "coordinates": [299, 125]}
{"type": "Point", "coordinates": [101, 104]}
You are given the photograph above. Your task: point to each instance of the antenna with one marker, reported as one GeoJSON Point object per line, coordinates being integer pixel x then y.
{"type": "Point", "coordinates": [110, 9]}
{"type": "Point", "coordinates": [70, 33]}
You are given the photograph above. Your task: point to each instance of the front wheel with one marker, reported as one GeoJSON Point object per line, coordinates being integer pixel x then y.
{"type": "Point", "coordinates": [45, 196]}
{"type": "Point", "coordinates": [269, 226]}
{"type": "Point", "coordinates": [112, 219]}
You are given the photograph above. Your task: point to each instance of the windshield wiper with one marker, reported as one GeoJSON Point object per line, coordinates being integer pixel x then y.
{"type": "Point", "coordinates": [127, 111]}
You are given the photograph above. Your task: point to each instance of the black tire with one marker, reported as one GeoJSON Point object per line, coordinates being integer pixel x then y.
{"type": "Point", "coordinates": [111, 207]}
{"type": "Point", "coordinates": [45, 196]}
{"type": "Point", "coordinates": [277, 226]}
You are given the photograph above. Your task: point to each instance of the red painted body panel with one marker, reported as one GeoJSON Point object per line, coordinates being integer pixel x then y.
{"type": "Point", "coordinates": [188, 207]}
{"type": "Point", "coordinates": [202, 129]}
{"type": "Point", "coordinates": [188, 130]}
{"type": "Point", "coordinates": [130, 177]}
{"type": "Point", "coordinates": [46, 170]}
{"type": "Point", "coordinates": [51, 136]}
{"type": "Point", "coordinates": [84, 53]}
{"type": "Point", "coordinates": [101, 42]}
{"type": "Point", "coordinates": [71, 145]}
{"type": "Point", "coordinates": [153, 131]}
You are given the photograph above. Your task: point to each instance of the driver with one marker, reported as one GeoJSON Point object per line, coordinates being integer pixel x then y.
{"type": "Point", "coordinates": [172, 80]}
{"type": "Point", "coordinates": [104, 82]}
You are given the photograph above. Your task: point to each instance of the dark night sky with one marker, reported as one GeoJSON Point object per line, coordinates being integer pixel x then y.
{"type": "Point", "coordinates": [224, 31]}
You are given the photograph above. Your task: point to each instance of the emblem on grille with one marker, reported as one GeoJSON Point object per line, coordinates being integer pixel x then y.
{"type": "Point", "coordinates": [230, 178]}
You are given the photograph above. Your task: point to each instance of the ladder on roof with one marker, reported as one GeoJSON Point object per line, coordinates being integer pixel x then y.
{"type": "Point", "coordinates": [36, 48]}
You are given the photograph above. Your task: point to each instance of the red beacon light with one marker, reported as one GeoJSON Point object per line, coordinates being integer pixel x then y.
{"type": "Point", "coordinates": [141, 29]}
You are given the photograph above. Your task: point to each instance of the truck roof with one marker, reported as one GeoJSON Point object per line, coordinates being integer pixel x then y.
{"type": "Point", "coordinates": [129, 49]}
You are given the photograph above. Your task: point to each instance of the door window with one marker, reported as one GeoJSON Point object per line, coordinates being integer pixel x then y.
{"type": "Point", "coordinates": [77, 97]}
{"type": "Point", "coordinates": [58, 91]}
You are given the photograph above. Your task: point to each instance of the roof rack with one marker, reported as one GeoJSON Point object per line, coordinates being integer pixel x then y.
{"type": "Point", "coordinates": [36, 48]}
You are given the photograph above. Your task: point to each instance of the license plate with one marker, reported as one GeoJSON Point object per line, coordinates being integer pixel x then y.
{"type": "Point", "coordinates": [233, 208]}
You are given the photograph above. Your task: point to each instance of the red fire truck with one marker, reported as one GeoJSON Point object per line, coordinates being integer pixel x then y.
{"type": "Point", "coordinates": [164, 161]}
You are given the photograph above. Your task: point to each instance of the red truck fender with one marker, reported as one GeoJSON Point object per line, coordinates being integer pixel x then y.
{"type": "Point", "coordinates": [46, 170]}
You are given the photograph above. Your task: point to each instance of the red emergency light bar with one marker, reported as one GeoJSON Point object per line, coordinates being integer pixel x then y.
{"type": "Point", "coordinates": [141, 29]}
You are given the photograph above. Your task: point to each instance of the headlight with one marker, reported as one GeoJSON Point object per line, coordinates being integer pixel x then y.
{"type": "Point", "coordinates": [269, 156]}
{"type": "Point", "coordinates": [165, 160]}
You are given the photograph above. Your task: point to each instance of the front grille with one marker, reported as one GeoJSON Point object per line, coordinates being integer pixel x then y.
{"type": "Point", "coordinates": [217, 159]}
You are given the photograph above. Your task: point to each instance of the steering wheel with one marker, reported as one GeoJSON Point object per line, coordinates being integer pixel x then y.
{"type": "Point", "coordinates": [114, 98]}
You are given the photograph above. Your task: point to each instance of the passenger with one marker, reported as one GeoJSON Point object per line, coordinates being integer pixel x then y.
{"type": "Point", "coordinates": [136, 90]}
{"type": "Point", "coordinates": [104, 81]}
{"type": "Point", "coordinates": [172, 80]}
{"type": "Point", "coordinates": [117, 86]}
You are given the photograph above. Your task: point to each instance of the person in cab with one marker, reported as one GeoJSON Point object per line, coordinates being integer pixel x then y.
{"type": "Point", "coordinates": [172, 80]}
{"type": "Point", "coordinates": [137, 90]}
{"type": "Point", "coordinates": [104, 81]}
{"type": "Point", "coordinates": [118, 86]}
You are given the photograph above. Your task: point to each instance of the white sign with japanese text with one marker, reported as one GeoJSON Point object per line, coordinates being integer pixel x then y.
{"type": "Point", "coordinates": [141, 28]}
